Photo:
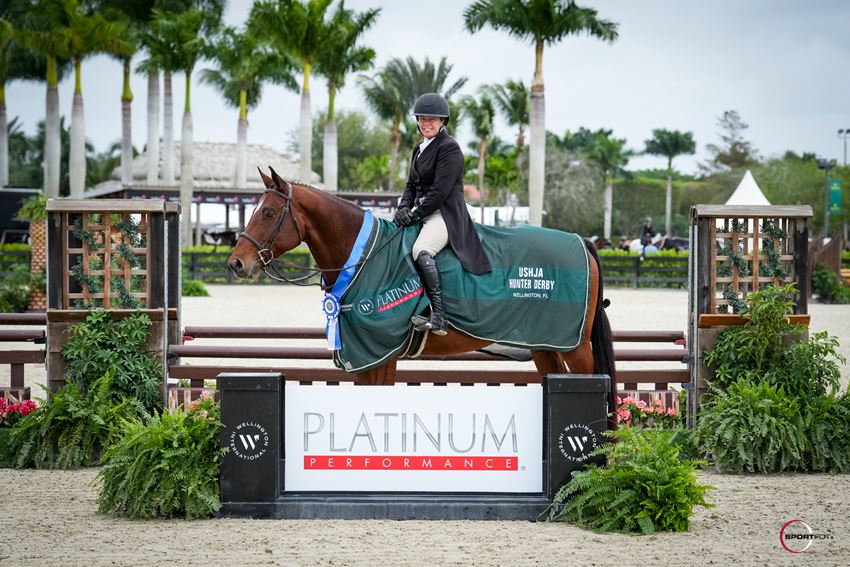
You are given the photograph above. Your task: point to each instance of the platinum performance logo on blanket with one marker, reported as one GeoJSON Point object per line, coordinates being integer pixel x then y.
{"type": "Point", "coordinates": [535, 297]}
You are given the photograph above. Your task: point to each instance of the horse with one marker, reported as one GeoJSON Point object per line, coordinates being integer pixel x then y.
{"type": "Point", "coordinates": [329, 226]}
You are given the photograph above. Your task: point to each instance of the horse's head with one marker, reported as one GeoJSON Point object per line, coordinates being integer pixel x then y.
{"type": "Point", "coordinates": [271, 231]}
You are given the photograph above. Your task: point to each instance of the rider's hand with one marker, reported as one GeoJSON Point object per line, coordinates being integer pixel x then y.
{"type": "Point", "coordinates": [403, 217]}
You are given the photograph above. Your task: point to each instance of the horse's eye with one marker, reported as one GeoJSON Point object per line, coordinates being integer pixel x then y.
{"type": "Point", "coordinates": [268, 213]}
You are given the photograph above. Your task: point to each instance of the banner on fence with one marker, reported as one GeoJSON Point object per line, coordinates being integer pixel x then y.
{"type": "Point", "coordinates": [416, 438]}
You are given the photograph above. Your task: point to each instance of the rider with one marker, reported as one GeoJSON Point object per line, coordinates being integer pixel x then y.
{"type": "Point", "coordinates": [434, 195]}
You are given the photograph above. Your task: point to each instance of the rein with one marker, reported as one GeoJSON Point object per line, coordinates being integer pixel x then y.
{"type": "Point", "coordinates": [271, 264]}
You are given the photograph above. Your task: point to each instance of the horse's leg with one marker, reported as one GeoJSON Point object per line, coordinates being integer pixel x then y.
{"type": "Point", "coordinates": [580, 360]}
{"type": "Point", "coordinates": [382, 375]}
{"type": "Point", "coordinates": [548, 362]}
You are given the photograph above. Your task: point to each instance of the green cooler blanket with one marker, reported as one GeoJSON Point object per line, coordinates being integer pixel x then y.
{"type": "Point", "coordinates": [535, 297]}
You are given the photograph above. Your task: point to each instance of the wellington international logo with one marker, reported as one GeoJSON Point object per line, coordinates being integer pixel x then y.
{"type": "Point", "coordinates": [796, 536]}
{"type": "Point", "coordinates": [249, 440]}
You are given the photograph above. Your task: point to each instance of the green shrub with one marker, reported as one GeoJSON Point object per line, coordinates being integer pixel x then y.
{"type": "Point", "coordinates": [33, 208]}
{"type": "Point", "coordinates": [165, 466]}
{"type": "Point", "coordinates": [72, 428]}
{"type": "Point", "coordinates": [827, 422]}
{"type": "Point", "coordinates": [99, 345]}
{"type": "Point", "coordinates": [645, 487]}
{"type": "Point", "coordinates": [768, 347]}
{"type": "Point", "coordinates": [194, 288]}
{"type": "Point", "coordinates": [752, 426]}
{"type": "Point", "coordinates": [829, 286]}
{"type": "Point", "coordinates": [15, 289]}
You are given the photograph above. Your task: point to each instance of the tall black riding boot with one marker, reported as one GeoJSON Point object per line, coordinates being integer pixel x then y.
{"type": "Point", "coordinates": [430, 276]}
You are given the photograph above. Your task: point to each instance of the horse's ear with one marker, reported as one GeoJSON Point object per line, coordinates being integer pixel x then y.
{"type": "Point", "coordinates": [267, 181]}
{"type": "Point", "coordinates": [278, 181]}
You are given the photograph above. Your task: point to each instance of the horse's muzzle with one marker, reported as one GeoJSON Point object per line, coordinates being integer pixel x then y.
{"type": "Point", "coordinates": [239, 269]}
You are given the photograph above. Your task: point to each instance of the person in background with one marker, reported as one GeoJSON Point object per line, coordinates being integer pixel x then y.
{"type": "Point", "coordinates": [434, 196]}
{"type": "Point", "coordinates": [646, 232]}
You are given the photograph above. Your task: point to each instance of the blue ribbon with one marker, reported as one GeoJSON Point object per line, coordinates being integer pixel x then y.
{"type": "Point", "coordinates": [330, 303]}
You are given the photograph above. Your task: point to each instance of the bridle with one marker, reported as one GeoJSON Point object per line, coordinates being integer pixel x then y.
{"type": "Point", "coordinates": [267, 257]}
{"type": "Point", "coordinates": [264, 250]}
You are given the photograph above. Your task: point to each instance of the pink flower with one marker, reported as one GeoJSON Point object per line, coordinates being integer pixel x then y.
{"type": "Point", "coordinates": [619, 401]}
{"type": "Point", "coordinates": [658, 403]}
{"type": "Point", "coordinates": [650, 409]}
{"type": "Point", "coordinates": [671, 412]}
{"type": "Point", "coordinates": [628, 400]}
{"type": "Point", "coordinates": [624, 413]}
{"type": "Point", "coordinates": [641, 404]}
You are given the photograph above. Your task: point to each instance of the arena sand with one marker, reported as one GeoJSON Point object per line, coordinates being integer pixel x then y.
{"type": "Point", "coordinates": [49, 517]}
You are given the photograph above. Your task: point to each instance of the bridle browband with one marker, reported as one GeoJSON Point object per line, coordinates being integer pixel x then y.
{"type": "Point", "coordinates": [264, 250]}
{"type": "Point", "coordinates": [267, 257]}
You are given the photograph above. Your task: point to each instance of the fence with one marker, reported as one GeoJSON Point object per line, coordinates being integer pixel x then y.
{"type": "Point", "coordinates": [211, 267]}
{"type": "Point", "coordinates": [649, 271]}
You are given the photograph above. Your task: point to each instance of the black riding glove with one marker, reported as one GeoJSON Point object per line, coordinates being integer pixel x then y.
{"type": "Point", "coordinates": [402, 217]}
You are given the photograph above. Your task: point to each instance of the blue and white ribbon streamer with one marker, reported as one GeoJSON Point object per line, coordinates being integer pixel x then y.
{"type": "Point", "coordinates": [330, 303]}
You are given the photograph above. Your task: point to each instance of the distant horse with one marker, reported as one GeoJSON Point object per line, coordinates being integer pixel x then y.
{"type": "Point", "coordinates": [289, 213]}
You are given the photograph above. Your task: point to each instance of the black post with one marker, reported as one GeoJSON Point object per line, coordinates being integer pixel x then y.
{"type": "Point", "coordinates": [251, 409]}
{"type": "Point", "coordinates": [575, 413]}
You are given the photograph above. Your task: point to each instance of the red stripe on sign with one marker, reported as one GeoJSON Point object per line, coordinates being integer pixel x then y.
{"type": "Point", "coordinates": [408, 462]}
{"type": "Point", "coordinates": [400, 300]}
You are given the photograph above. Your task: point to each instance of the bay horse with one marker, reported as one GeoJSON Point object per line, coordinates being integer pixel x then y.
{"type": "Point", "coordinates": [289, 213]}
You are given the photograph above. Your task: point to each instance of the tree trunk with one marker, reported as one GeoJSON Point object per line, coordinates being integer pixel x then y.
{"type": "Point", "coordinates": [305, 131]}
{"type": "Point", "coordinates": [4, 142]}
{"type": "Point", "coordinates": [537, 144]}
{"type": "Point", "coordinates": [240, 180]}
{"type": "Point", "coordinates": [609, 209]}
{"type": "Point", "coordinates": [152, 164]}
{"type": "Point", "coordinates": [668, 207]}
{"type": "Point", "coordinates": [330, 157]}
{"type": "Point", "coordinates": [167, 132]}
{"type": "Point", "coordinates": [77, 157]}
{"type": "Point", "coordinates": [482, 160]}
{"type": "Point", "coordinates": [186, 180]}
{"type": "Point", "coordinates": [126, 129]}
{"type": "Point", "coordinates": [395, 141]}
{"type": "Point", "coordinates": [520, 139]}
{"type": "Point", "coordinates": [52, 135]}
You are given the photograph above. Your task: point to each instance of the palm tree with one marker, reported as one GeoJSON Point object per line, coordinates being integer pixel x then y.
{"type": "Point", "coordinates": [341, 57]}
{"type": "Point", "coordinates": [392, 92]}
{"type": "Point", "coordinates": [670, 143]}
{"type": "Point", "coordinates": [480, 113]}
{"type": "Point", "coordinates": [543, 22]}
{"type": "Point", "coordinates": [610, 155]}
{"type": "Point", "coordinates": [244, 64]}
{"type": "Point", "coordinates": [16, 63]}
{"type": "Point", "coordinates": [512, 99]}
{"type": "Point", "coordinates": [38, 33]}
{"type": "Point", "coordinates": [300, 30]}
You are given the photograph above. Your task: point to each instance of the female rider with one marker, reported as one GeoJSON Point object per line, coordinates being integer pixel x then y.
{"type": "Point", "coordinates": [434, 196]}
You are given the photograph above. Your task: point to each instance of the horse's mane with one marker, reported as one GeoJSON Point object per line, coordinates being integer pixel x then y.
{"type": "Point", "coordinates": [326, 194]}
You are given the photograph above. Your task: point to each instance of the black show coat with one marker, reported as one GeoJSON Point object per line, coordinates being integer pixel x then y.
{"type": "Point", "coordinates": [436, 182]}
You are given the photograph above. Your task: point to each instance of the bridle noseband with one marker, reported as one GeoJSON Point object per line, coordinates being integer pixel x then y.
{"type": "Point", "coordinates": [264, 250]}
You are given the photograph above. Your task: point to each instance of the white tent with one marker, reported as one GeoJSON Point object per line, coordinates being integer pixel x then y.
{"type": "Point", "coordinates": [747, 193]}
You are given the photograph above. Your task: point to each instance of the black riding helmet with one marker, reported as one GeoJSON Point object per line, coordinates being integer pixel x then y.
{"type": "Point", "coordinates": [432, 104]}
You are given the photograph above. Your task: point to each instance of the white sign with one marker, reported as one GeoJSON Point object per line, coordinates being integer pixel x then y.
{"type": "Point", "coordinates": [413, 438]}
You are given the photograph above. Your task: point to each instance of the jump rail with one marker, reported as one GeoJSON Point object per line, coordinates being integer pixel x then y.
{"type": "Point", "coordinates": [18, 358]}
{"type": "Point", "coordinates": [661, 378]}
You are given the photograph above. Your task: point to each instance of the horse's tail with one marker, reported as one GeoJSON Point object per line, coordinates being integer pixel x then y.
{"type": "Point", "coordinates": [601, 338]}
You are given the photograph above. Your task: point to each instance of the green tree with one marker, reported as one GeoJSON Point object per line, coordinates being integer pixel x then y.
{"type": "Point", "coordinates": [670, 144]}
{"type": "Point", "coordinates": [512, 99]}
{"type": "Point", "coordinates": [610, 155]}
{"type": "Point", "coordinates": [300, 30]}
{"type": "Point", "coordinates": [734, 151]}
{"type": "Point", "coordinates": [244, 64]}
{"type": "Point", "coordinates": [364, 150]}
{"type": "Point", "coordinates": [342, 56]}
{"type": "Point", "coordinates": [543, 22]}
{"type": "Point", "coordinates": [479, 112]}
{"type": "Point", "coordinates": [392, 92]}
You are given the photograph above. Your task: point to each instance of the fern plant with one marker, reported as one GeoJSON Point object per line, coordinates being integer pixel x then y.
{"type": "Point", "coordinates": [72, 428]}
{"type": "Point", "coordinates": [100, 344]}
{"type": "Point", "coordinates": [645, 488]}
{"type": "Point", "coordinates": [754, 427]}
{"type": "Point", "coordinates": [165, 466]}
{"type": "Point", "coordinates": [827, 422]}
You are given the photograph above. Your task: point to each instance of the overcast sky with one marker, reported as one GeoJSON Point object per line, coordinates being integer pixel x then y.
{"type": "Point", "coordinates": [784, 65]}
